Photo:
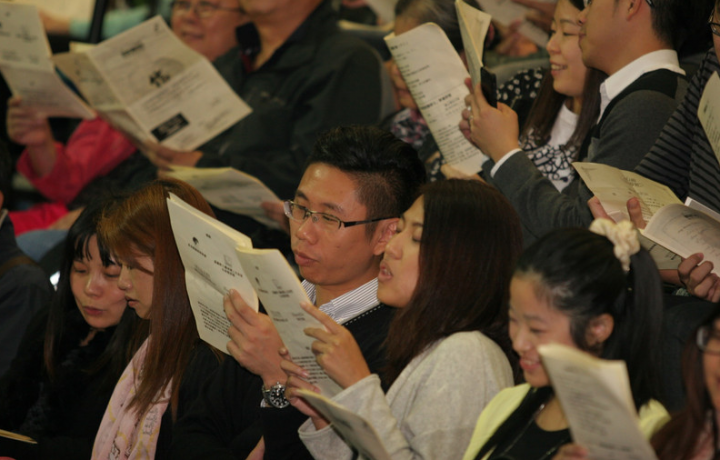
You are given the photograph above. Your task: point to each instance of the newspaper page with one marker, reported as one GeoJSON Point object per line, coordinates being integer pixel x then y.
{"type": "Point", "coordinates": [230, 190]}
{"type": "Point", "coordinates": [709, 112]}
{"type": "Point", "coordinates": [355, 430]}
{"type": "Point", "coordinates": [686, 231]}
{"type": "Point", "coordinates": [596, 399]}
{"type": "Point", "coordinates": [281, 293]}
{"type": "Point", "coordinates": [474, 26]}
{"type": "Point", "coordinates": [507, 12]}
{"type": "Point", "coordinates": [26, 66]}
{"type": "Point", "coordinates": [148, 83]}
{"type": "Point", "coordinates": [207, 249]}
{"type": "Point", "coordinates": [436, 75]}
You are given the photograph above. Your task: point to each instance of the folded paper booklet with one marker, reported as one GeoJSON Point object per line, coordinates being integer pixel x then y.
{"type": "Point", "coordinates": [596, 399]}
{"type": "Point", "coordinates": [474, 26]}
{"type": "Point", "coordinates": [230, 190]}
{"type": "Point", "coordinates": [436, 75]}
{"type": "Point", "coordinates": [614, 187]}
{"type": "Point", "coordinates": [709, 112]}
{"type": "Point", "coordinates": [26, 66]}
{"type": "Point", "coordinates": [16, 437]}
{"type": "Point", "coordinates": [355, 430]}
{"type": "Point", "coordinates": [150, 85]}
{"type": "Point", "coordinates": [218, 258]}
{"type": "Point", "coordinates": [506, 12]}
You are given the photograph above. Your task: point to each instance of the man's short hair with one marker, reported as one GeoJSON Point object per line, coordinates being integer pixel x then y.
{"type": "Point", "coordinates": [674, 20]}
{"type": "Point", "coordinates": [387, 171]}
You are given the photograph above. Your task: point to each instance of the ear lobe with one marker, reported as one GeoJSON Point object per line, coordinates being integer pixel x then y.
{"type": "Point", "coordinates": [634, 7]}
{"type": "Point", "coordinates": [600, 329]}
{"type": "Point", "coordinates": [383, 233]}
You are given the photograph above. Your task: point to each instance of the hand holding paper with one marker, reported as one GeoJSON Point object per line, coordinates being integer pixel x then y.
{"type": "Point", "coordinates": [698, 278]}
{"type": "Point", "coordinates": [255, 341]}
{"type": "Point", "coordinates": [336, 350]}
{"type": "Point", "coordinates": [296, 382]}
{"type": "Point", "coordinates": [495, 131]}
{"type": "Point", "coordinates": [164, 157]}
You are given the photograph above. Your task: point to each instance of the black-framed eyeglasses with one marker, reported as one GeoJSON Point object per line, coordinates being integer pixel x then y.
{"type": "Point", "coordinates": [202, 9]}
{"type": "Point", "coordinates": [328, 222]}
{"type": "Point", "coordinates": [708, 340]}
{"type": "Point", "coordinates": [714, 26]}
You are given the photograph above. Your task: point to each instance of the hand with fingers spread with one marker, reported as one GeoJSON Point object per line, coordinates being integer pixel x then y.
{"type": "Point", "coordinates": [164, 157]}
{"type": "Point", "coordinates": [698, 278]}
{"type": "Point", "coordinates": [336, 350]}
{"type": "Point", "coordinates": [597, 209]}
{"type": "Point", "coordinates": [254, 340]}
{"type": "Point", "coordinates": [493, 130]}
{"type": "Point", "coordinates": [296, 376]}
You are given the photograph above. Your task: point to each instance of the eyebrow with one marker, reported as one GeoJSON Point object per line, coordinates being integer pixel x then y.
{"type": "Point", "coordinates": [330, 206]}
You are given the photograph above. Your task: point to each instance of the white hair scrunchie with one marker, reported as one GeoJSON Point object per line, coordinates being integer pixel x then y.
{"type": "Point", "coordinates": [622, 235]}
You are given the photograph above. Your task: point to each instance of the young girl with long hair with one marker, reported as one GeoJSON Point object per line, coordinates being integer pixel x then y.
{"type": "Point", "coordinates": [595, 290]}
{"type": "Point", "coordinates": [72, 354]}
{"type": "Point", "coordinates": [166, 373]}
{"type": "Point", "coordinates": [447, 349]}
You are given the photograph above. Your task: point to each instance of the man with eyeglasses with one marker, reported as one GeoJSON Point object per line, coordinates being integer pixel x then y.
{"type": "Point", "coordinates": [301, 75]}
{"type": "Point", "coordinates": [346, 207]}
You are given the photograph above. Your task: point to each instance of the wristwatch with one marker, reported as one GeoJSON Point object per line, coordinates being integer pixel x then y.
{"type": "Point", "coordinates": [275, 396]}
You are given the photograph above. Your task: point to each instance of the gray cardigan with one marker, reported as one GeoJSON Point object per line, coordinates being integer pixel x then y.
{"type": "Point", "coordinates": [431, 409]}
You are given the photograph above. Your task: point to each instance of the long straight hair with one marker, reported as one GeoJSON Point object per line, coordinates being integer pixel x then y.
{"type": "Point", "coordinates": [140, 226]}
{"type": "Point", "coordinates": [680, 438]}
{"type": "Point", "coordinates": [119, 349]}
{"type": "Point", "coordinates": [470, 240]}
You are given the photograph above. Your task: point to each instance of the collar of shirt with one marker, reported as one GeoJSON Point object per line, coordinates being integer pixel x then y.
{"type": "Point", "coordinates": [617, 82]}
{"type": "Point", "coordinates": [349, 305]}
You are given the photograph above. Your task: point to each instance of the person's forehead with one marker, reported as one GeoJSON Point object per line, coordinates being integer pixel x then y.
{"type": "Point", "coordinates": [326, 186]}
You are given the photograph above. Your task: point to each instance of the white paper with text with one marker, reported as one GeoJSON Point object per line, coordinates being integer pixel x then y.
{"type": "Point", "coordinates": [474, 26]}
{"type": "Point", "coordinates": [436, 75]}
{"type": "Point", "coordinates": [595, 397]}
{"type": "Point", "coordinates": [207, 249]}
{"type": "Point", "coordinates": [281, 293]}
{"type": "Point", "coordinates": [355, 430]}
{"type": "Point", "coordinates": [26, 66]}
{"type": "Point", "coordinates": [230, 190]}
{"type": "Point", "coordinates": [171, 92]}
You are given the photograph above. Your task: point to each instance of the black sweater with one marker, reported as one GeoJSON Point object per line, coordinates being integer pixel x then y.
{"type": "Point", "coordinates": [227, 421]}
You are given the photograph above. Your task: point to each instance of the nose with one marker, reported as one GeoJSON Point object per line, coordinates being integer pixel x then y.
{"type": "Point", "coordinates": [582, 16]}
{"type": "Point", "coordinates": [307, 230]}
{"type": "Point", "coordinates": [123, 281]}
{"type": "Point", "coordinates": [393, 248]}
{"type": "Point", "coordinates": [552, 46]}
{"type": "Point", "coordinates": [92, 286]}
{"type": "Point", "coordinates": [520, 338]}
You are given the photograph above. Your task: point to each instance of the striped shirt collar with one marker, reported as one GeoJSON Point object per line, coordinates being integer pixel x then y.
{"type": "Point", "coordinates": [349, 305]}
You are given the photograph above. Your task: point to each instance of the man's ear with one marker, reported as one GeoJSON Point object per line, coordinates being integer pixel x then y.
{"type": "Point", "coordinates": [600, 329]}
{"type": "Point", "coordinates": [634, 7]}
{"type": "Point", "coordinates": [384, 231]}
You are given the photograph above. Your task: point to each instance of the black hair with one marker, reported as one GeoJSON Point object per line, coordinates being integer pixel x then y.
{"type": "Point", "coordinates": [675, 21]}
{"type": "Point", "coordinates": [119, 349]}
{"type": "Point", "coordinates": [387, 171]}
{"type": "Point", "coordinates": [576, 272]}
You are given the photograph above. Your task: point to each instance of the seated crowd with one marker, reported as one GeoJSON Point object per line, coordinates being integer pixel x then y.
{"type": "Point", "coordinates": [434, 291]}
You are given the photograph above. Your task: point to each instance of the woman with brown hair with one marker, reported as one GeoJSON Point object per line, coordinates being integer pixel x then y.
{"type": "Point", "coordinates": [692, 433]}
{"type": "Point", "coordinates": [448, 351]}
{"type": "Point", "coordinates": [172, 363]}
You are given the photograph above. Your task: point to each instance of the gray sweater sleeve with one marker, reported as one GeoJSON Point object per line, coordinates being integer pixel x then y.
{"type": "Point", "coordinates": [431, 410]}
{"type": "Point", "coordinates": [627, 133]}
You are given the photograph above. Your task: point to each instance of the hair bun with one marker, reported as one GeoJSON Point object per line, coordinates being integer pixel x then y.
{"type": "Point", "coordinates": [622, 235]}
